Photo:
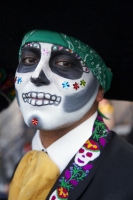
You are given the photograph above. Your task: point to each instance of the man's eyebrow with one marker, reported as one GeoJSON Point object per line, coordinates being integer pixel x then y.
{"type": "Point", "coordinates": [32, 49]}
{"type": "Point", "coordinates": [62, 51]}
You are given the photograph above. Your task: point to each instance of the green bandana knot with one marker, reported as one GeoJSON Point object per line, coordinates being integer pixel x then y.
{"type": "Point", "coordinates": [90, 57]}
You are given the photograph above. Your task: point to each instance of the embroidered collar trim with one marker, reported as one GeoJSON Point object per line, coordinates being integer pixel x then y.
{"type": "Point", "coordinates": [83, 161]}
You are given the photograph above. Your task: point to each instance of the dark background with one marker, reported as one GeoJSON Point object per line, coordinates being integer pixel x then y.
{"type": "Point", "coordinates": [105, 25]}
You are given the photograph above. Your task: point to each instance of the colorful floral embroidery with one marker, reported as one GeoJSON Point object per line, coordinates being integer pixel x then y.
{"type": "Point", "coordinates": [73, 176]}
{"type": "Point", "coordinates": [92, 145]}
{"type": "Point", "coordinates": [62, 193]}
{"type": "Point", "coordinates": [81, 167]}
{"type": "Point", "coordinates": [100, 131]}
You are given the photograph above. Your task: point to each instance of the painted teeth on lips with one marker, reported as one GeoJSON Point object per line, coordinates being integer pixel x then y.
{"type": "Point", "coordinates": [41, 99]}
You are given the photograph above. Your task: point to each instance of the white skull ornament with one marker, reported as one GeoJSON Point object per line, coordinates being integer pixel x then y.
{"type": "Point", "coordinates": [87, 153]}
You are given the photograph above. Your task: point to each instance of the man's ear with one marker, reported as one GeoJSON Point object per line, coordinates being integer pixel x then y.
{"type": "Point", "coordinates": [100, 94]}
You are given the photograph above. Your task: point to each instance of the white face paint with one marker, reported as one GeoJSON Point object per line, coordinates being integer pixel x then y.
{"type": "Point", "coordinates": [84, 156]}
{"type": "Point", "coordinates": [52, 90]}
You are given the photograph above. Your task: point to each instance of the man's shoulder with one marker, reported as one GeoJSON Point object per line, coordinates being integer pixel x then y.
{"type": "Point", "coordinates": [120, 146]}
{"type": "Point", "coordinates": [116, 168]}
{"type": "Point", "coordinates": [119, 155]}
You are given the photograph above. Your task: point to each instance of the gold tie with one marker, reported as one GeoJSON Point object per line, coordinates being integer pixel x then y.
{"type": "Point", "coordinates": [34, 177]}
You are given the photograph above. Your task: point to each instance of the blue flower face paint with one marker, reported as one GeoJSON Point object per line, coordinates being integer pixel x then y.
{"type": "Point", "coordinates": [65, 84]}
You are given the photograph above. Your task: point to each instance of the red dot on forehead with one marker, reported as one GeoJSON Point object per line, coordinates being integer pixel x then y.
{"type": "Point", "coordinates": [81, 150]}
{"type": "Point", "coordinates": [89, 154]}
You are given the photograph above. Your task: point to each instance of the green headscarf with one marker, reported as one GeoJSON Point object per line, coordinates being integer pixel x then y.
{"type": "Point", "coordinates": [88, 55]}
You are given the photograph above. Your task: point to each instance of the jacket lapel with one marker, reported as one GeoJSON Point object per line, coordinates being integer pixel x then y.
{"type": "Point", "coordinates": [74, 190]}
{"type": "Point", "coordinates": [82, 168]}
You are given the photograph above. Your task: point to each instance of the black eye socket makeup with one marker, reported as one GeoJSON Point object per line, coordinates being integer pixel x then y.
{"type": "Point", "coordinates": [29, 59]}
{"type": "Point", "coordinates": [65, 63]}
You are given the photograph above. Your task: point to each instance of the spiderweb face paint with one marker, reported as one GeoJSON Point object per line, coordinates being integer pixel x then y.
{"type": "Point", "coordinates": [56, 90]}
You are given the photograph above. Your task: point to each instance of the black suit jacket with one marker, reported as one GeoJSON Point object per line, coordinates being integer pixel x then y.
{"type": "Point", "coordinates": [112, 178]}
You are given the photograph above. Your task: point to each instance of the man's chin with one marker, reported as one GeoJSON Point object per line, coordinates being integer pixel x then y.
{"type": "Point", "coordinates": [36, 122]}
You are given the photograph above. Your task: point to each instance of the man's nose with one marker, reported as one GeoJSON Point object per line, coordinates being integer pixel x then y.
{"type": "Point", "coordinates": [40, 80]}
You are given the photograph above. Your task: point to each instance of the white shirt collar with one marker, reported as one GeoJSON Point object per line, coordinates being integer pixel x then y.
{"type": "Point", "coordinates": [63, 149]}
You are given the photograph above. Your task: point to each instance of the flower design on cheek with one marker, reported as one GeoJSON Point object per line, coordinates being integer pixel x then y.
{"type": "Point", "coordinates": [65, 84]}
{"type": "Point", "coordinates": [76, 86]}
{"type": "Point", "coordinates": [18, 80]}
{"type": "Point", "coordinates": [82, 83]}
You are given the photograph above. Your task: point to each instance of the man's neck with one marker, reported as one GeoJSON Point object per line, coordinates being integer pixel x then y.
{"type": "Point", "coordinates": [50, 136]}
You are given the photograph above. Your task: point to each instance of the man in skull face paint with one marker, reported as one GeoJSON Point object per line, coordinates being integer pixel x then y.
{"type": "Point", "coordinates": [54, 75]}
{"type": "Point", "coordinates": [59, 83]}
